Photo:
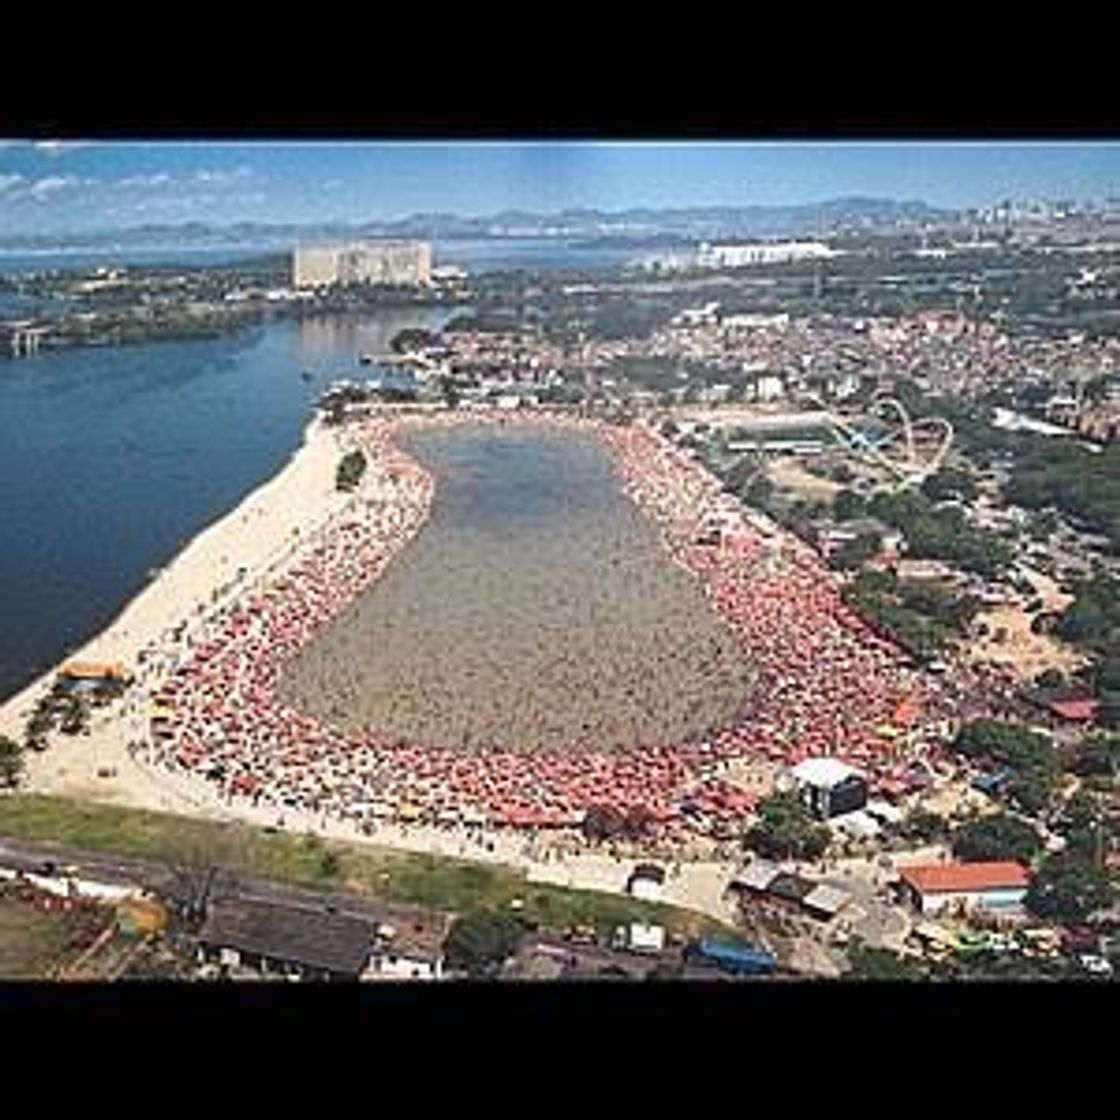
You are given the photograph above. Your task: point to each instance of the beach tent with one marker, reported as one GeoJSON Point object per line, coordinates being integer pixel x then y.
{"type": "Point", "coordinates": [95, 671]}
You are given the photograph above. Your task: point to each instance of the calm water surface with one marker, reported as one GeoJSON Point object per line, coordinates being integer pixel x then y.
{"type": "Point", "coordinates": [112, 458]}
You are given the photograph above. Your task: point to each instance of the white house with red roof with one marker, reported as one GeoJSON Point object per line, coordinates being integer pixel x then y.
{"type": "Point", "coordinates": [997, 886]}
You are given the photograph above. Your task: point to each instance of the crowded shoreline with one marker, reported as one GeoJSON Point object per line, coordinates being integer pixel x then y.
{"type": "Point", "coordinates": [202, 725]}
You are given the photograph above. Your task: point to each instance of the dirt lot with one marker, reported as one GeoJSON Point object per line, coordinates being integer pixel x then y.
{"type": "Point", "coordinates": [1028, 654]}
{"type": "Point", "coordinates": [34, 941]}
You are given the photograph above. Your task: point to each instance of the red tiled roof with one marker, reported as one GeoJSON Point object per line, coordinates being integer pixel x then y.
{"type": "Point", "coordinates": [946, 878]}
{"type": "Point", "coordinates": [1075, 709]}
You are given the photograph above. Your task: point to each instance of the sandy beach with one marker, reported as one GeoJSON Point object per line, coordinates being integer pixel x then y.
{"type": "Point", "coordinates": [224, 561]}
{"type": "Point", "coordinates": [206, 729]}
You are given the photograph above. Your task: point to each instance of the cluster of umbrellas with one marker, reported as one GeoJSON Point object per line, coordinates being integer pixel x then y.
{"type": "Point", "coordinates": [825, 682]}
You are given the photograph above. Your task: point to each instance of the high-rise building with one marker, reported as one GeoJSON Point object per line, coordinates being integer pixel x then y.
{"type": "Point", "coordinates": [363, 262]}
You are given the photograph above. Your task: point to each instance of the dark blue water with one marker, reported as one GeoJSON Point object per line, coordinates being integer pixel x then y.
{"type": "Point", "coordinates": [112, 458]}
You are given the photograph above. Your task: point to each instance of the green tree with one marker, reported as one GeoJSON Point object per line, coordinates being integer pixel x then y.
{"type": "Point", "coordinates": [847, 505]}
{"type": "Point", "coordinates": [924, 826]}
{"type": "Point", "coordinates": [11, 761]}
{"type": "Point", "coordinates": [949, 483]}
{"type": "Point", "coordinates": [854, 553]}
{"type": "Point", "coordinates": [351, 467]}
{"type": "Point", "coordinates": [480, 941]}
{"type": "Point", "coordinates": [1032, 790]}
{"type": "Point", "coordinates": [1098, 754]}
{"type": "Point", "coordinates": [786, 829]}
{"type": "Point", "coordinates": [868, 963]}
{"type": "Point", "coordinates": [1068, 889]}
{"type": "Point", "coordinates": [997, 837]}
{"type": "Point", "coordinates": [1005, 742]}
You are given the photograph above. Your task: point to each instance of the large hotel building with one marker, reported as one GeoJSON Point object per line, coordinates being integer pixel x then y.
{"type": "Point", "coordinates": [363, 262]}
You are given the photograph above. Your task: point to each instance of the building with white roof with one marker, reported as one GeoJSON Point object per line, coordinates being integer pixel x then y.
{"type": "Point", "coordinates": [829, 786]}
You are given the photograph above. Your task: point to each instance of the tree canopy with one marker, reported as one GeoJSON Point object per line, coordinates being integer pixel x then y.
{"type": "Point", "coordinates": [1068, 888]}
{"type": "Point", "coordinates": [480, 941]}
{"type": "Point", "coordinates": [940, 533]}
{"type": "Point", "coordinates": [11, 761]}
{"type": "Point", "coordinates": [1098, 754]}
{"type": "Point", "coordinates": [997, 837]}
{"type": "Point", "coordinates": [868, 963]}
{"type": "Point", "coordinates": [786, 829]}
{"type": "Point", "coordinates": [1033, 762]}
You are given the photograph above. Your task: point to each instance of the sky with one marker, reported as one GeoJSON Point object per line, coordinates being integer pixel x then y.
{"type": "Point", "coordinates": [75, 186]}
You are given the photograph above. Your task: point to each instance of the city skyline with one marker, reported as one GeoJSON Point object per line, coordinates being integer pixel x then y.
{"type": "Point", "coordinates": [52, 186]}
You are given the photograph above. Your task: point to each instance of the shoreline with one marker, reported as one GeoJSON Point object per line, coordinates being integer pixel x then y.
{"type": "Point", "coordinates": [220, 558]}
{"type": "Point", "coordinates": [299, 777]}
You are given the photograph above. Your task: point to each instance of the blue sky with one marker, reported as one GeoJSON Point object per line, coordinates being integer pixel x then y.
{"type": "Point", "coordinates": [56, 186]}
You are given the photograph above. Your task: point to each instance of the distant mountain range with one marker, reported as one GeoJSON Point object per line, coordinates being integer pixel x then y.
{"type": "Point", "coordinates": [639, 225]}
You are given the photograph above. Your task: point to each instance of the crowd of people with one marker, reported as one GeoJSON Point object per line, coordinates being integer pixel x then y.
{"type": "Point", "coordinates": [825, 683]}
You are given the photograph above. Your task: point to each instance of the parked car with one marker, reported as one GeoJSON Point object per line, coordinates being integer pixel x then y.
{"type": "Point", "coordinates": [1094, 964]}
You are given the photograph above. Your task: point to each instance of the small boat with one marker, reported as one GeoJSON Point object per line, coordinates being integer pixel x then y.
{"type": "Point", "coordinates": [365, 359]}
{"type": "Point", "coordinates": [307, 375]}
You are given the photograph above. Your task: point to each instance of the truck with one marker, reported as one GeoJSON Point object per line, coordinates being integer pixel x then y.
{"type": "Point", "coordinates": [740, 960]}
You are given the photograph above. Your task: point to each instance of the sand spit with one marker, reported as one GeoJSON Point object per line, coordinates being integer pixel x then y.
{"type": "Point", "coordinates": [536, 609]}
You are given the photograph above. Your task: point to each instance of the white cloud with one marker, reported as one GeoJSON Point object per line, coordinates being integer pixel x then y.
{"type": "Point", "coordinates": [9, 181]}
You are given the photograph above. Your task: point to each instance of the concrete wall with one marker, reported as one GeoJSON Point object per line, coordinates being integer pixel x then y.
{"type": "Point", "coordinates": [989, 900]}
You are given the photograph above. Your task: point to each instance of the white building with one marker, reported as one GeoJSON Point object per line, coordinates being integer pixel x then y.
{"type": "Point", "coordinates": [647, 881]}
{"type": "Point", "coordinates": [645, 938]}
{"type": "Point", "coordinates": [829, 786]}
{"type": "Point", "coordinates": [937, 888]}
{"type": "Point", "coordinates": [771, 252]}
{"type": "Point", "coordinates": [755, 321]}
{"type": "Point", "coordinates": [407, 952]}
{"type": "Point", "coordinates": [362, 262]}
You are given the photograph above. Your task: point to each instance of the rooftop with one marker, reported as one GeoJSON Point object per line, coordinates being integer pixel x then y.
{"type": "Point", "coordinates": [1075, 710]}
{"type": "Point", "coordinates": [755, 876]}
{"type": "Point", "coordinates": [824, 772]}
{"type": "Point", "coordinates": [946, 878]}
{"type": "Point", "coordinates": [314, 938]}
{"type": "Point", "coordinates": [829, 900]}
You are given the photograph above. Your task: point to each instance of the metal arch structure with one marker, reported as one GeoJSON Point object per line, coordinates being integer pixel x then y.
{"type": "Point", "coordinates": [881, 401]}
{"type": "Point", "coordinates": [911, 470]}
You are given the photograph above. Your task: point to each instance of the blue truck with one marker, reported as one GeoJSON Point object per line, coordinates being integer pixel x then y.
{"type": "Point", "coordinates": [737, 959]}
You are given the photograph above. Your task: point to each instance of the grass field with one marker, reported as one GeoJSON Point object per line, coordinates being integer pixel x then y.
{"type": "Point", "coordinates": [439, 883]}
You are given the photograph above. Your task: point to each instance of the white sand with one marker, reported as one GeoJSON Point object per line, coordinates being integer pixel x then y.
{"type": "Point", "coordinates": [259, 533]}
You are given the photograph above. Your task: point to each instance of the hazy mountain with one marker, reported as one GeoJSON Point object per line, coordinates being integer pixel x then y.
{"type": "Point", "coordinates": [695, 223]}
